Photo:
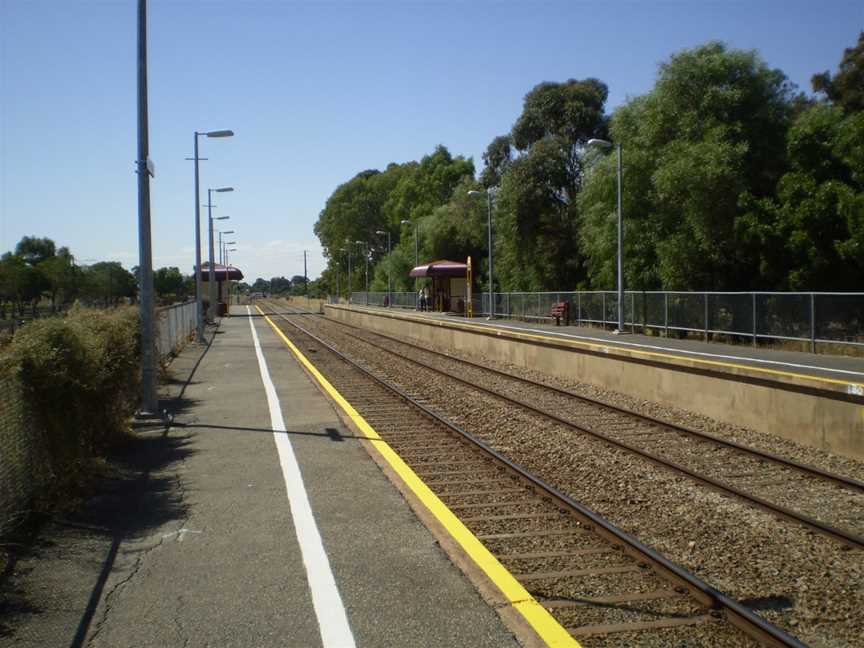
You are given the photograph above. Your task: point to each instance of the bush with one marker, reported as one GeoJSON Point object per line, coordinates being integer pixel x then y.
{"type": "Point", "coordinates": [79, 375]}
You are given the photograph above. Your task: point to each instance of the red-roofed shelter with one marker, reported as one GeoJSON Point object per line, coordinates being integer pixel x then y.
{"type": "Point", "coordinates": [449, 284]}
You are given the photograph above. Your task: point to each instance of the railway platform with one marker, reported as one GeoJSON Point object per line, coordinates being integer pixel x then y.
{"type": "Point", "coordinates": [721, 355]}
{"type": "Point", "coordinates": [813, 399]}
{"type": "Point", "coordinates": [265, 523]}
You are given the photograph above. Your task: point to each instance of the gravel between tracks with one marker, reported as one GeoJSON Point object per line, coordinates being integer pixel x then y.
{"type": "Point", "coordinates": [799, 580]}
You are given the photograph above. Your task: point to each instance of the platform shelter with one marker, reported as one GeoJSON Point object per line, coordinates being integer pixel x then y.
{"type": "Point", "coordinates": [224, 275]}
{"type": "Point", "coordinates": [449, 291]}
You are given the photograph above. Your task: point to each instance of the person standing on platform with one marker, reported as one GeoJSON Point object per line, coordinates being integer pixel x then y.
{"type": "Point", "coordinates": [421, 300]}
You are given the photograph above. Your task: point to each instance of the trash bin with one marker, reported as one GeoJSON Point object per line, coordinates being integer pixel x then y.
{"type": "Point", "coordinates": [222, 309]}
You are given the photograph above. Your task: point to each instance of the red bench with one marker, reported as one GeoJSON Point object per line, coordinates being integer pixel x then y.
{"type": "Point", "coordinates": [559, 310]}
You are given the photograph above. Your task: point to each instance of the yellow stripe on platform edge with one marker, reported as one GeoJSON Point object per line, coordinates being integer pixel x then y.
{"type": "Point", "coordinates": [543, 623]}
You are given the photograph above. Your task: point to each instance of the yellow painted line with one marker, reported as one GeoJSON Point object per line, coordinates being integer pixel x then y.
{"type": "Point", "coordinates": [543, 623]}
{"type": "Point", "coordinates": [604, 348]}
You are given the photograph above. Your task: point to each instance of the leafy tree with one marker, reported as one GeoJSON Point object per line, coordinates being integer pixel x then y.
{"type": "Point", "coordinates": [261, 285]}
{"type": "Point", "coordinates": [108, 282]}
{"type": "Point", "coordinates": [497, 158]}
{"type": "Point", "coordinates": [536, 217]}
{"type": "Point", "coordinates": [705, 142]}
{"type": "Point", "coordinates": [811, 235]}
{"type": "Point", "coordinates": [846, 87]}
{"type": "Point", "coordinates": [20, 283]}
{"type": "Point", "coordinates": [379, 201]}
{"type": "Point", "coordinates": [298, 285]}
{"type": "Point", "coordinates": [35, 250]}
{"type": "Point", "coordinates": [169, 281]}
{"type": "Point", "coordinates": [60, 275]}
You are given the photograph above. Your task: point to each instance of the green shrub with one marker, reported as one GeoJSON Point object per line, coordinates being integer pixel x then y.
{"type": "Point", "coordinates": [79, 375]}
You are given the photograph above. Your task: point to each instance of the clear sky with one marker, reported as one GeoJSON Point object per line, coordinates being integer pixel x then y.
{"type": "Point", "coordinates": [315, 91]}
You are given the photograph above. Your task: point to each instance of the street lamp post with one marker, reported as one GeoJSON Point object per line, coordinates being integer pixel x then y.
{"type": "Point", "coordinates": [389, 263]}
{"type": "Point", "coordinates": [348, 292]}
{"type": "Point", "coordinates": [607, 144]}
{"type": "Point", "coordinates": [416, 252]}
{"type": "Point", "coordinates": [490, 193]}
{"type": "Point", "coordinates": [211, 276]}
{"type": "Point", "coordinates": [365, 254]}
{"type": "Point", "coordinates": [221, 247]}
{"type": "Point", "coordinates": [149, 399]}
{"type": "Point", "coordinates": [199, 299]}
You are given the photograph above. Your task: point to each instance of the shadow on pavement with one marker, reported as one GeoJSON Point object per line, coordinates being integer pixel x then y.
{"type": "Point", "coordinates": [329, 433]}
{"type": "Point", "coordinates": [58, 572]}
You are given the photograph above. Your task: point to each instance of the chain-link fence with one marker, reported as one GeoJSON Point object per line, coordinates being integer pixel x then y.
{"type": "Point", "coordinates": [814, 318]}
{"type": "Point", "coordinates": [175, 325]}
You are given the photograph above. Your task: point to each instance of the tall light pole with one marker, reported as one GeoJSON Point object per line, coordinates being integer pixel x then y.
{"type": "Point", "coordinates": [366, 255]}
{"type": "Point", "coordinates": [199, 287]}
{"type": "Point", "coordinates": [211, 276]}
{"type": "Point", "coordinates": [149, 403]}
{"type": "Point", "coordinates": [348, 251]}
{"type": "Point", "coordinates": [389, 263]}
{"type": "Point", "coordinates": [226, 250]}
{"type": "Point", "coordinates": [490, 194]}
{"type": "Point", "coordinates": [607, 144]}
{"type": "Point", "coordinates": [221, 247]}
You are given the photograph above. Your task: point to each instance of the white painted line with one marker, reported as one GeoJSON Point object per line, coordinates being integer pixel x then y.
{"type": "Point", "coordinates": [637, 345]}
{"type": "Point", "coordinates": [332, 619]}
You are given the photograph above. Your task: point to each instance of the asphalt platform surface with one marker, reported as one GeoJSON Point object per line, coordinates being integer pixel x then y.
{"type": "Point", "coordinates": [192, 541]}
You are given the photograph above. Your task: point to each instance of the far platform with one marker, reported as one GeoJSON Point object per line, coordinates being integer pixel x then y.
{"type": "Point", "coordinates": [843, 369]}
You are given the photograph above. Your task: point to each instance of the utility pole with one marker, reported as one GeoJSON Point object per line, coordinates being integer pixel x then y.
{"type": "Point", "coordinates": [305, 276]}
{"type": "Point", "coordinates": [149, 404]}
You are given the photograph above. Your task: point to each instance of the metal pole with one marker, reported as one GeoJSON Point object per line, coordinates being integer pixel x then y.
{"type": "Point", "coordinates": [389, 269]}
{"type": "Point", "coordinates": [489, 228]}
{"type": "Point", "coordinates": [620, 250]}
{"type": "Point", "coordinates": [416, 257]}
{"type": "Point", "coordinates": [754, 319]}
{"type": "Point", "coordinates": [211, 276]}
{"type": "Point", "coordinates": [199, 284]}
{"type": "Point", "coordinates": [145, 253]}
{"type": "Point", "coordinates": [367, 273]}
{"type": "Point", "coordinates": [221, 259]}
{"type": "Point", "coordinates": [305, 276]}
{"type": "Point", "coordinates": [666, 313]}
{"type": "Point", "coordinates": [812, 323]}
{"type": "Point", "coordinates": [349, 273]}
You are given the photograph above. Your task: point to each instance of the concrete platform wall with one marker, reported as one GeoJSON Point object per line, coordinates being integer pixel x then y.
{"type": "Point", "coordinates": [829, 417]}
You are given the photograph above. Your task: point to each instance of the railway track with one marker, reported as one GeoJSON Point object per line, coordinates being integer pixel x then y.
{"type": "Point", "coordinates": [824, 502]}
{"type": "Point", "coordinates": [601, 584]}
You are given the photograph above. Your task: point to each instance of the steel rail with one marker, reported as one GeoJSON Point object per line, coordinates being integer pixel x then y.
{"type": "Point", "coordinates": [835, 533]}
{"type": "Point", "coordinates": [674, 427]}
{"type": "Point", "coordinates": [828, 530]}
{"type": "Point", "coordinates": [737, 614]}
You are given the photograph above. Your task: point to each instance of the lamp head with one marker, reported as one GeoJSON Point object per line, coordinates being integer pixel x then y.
{"type": "Point", "coordinates": [405, 222]}
{"type": "Point", "coordinates": [380, 232]}
{"type": "Point", "coordinates": [220, 133]}
{"type": "Point", "coordinates": [599, 142]}
{"type": "Point", "coordinates": [474, 192]}
{"type": "Point", "coordinates": [224, 189]}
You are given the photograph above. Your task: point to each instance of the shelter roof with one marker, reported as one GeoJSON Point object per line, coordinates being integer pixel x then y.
{"type": "Point", "coordinates": [442, 268]}
{"type": "Point", "coordinates": [231, 272]}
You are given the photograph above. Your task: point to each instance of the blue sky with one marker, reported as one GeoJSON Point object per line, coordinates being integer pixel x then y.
{"type": "Point", "coordinates": [315, 91]}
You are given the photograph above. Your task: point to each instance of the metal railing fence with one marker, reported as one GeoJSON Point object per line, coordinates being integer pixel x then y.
{"type": "Point", "coordinates": [814, 317]}
{"type": "Point", "coordinates": [175, 325]}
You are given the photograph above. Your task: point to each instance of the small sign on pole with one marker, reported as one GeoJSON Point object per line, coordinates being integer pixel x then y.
{"type": "Point", "coordinates": [151, 168]}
